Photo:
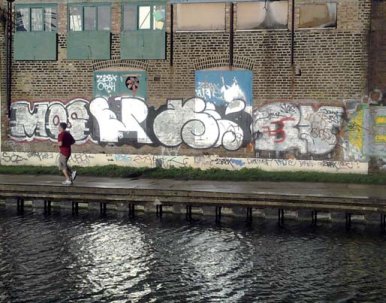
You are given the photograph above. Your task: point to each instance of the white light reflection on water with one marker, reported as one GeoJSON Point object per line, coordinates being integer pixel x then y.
{"type": "Point", "coordinates": [113, 261]}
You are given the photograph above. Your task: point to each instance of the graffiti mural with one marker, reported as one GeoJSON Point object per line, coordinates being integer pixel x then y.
{"type": "Point", "coordinates": [355, 131]}
{"type": "Point", "coordinates": [120, 120]}
{"type": "Point", "coordinates": [200, 124]}
{"type": "Point", "coordinates": [286, 126]}
{"type": "Point", "coordinates": [378, 134]}
{"type": "Point", "coordinates": [128, 120]}
{"type": "Point", "coordinates": [40, 120]}
{"type": "Point", "coordinates": [223, 87]}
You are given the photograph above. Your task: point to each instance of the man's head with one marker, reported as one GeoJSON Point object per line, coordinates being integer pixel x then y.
{"type": "Point", "coordinates": [62, 126]}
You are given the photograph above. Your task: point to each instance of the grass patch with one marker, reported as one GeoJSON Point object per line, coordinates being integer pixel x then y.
{"type": "Point", "coordinates": [198, 174]}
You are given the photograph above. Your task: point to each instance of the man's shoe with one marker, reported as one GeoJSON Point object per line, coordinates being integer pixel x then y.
{"type": "Point", "coordinates": [73, 175]}
{"type": "Point", "coordinates": [67, 182]}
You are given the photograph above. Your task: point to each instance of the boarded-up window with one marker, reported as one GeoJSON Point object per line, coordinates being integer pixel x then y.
{"type": "Point", "coordinates": [317, 15]}
{"type": "Point", "coordinates": [262, 15]}
{"type": "Point", "coordinates": [201, 17]}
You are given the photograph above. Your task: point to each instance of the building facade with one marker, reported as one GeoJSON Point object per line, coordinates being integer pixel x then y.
{"type": "Point", "coordinates": [294, 85]}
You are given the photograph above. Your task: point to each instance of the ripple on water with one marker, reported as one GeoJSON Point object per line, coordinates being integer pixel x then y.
{"type": "Point", "coordinates": [89, 259]}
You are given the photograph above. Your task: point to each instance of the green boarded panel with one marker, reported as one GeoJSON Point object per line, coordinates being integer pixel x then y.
{"type": "Point", "coordinates": [143, 44]}
{"type": "Point", "coordinates": [88, 45]}
{"type": "Point", "coordinates": [35, 46]}
{"type": "Point", "coordinates": [120, 83]}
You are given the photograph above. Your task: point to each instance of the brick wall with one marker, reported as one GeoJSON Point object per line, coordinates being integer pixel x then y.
{"type": "Point", "coordinates": [333, 65]}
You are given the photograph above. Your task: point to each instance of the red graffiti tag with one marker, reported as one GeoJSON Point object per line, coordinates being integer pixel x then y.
{"type": "Point", "coordinates": [279, 131]}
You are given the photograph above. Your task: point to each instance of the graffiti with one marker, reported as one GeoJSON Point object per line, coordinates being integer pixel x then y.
{"type": "Point", "coordinates": [355, 140]}
{"type": "Point", "coordinates": [12, 158]}
{"type": "Point", "coordinates": [40, 120]}
{"type": "Point", "coordinates": [121, 120]}
{"type": "Point", "coordinates": [222, 87]}
{"type": "Point", "coordinates": [285, 126]}
{"type": "Point", "coordinates": [120, 84]}
{"type": "Point", "coordinates": [232, 162]}
{"type": "Point", "coordinates": [106, 82]}
{"type": "Point", "coordinates": [41, 156]}
{"type": "Point", "coordinates": [194, 122]}
{"type": "Point", "coordinates": [198, 125]}
{"type": "Point", "coordinates": [81, 159]}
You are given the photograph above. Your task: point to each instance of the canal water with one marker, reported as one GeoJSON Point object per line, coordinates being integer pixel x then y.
{"type": "Point", "coordinates": [61, 258]}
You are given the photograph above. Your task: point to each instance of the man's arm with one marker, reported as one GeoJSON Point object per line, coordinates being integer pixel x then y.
{"type": "Point", "coordinates": [60, 139]}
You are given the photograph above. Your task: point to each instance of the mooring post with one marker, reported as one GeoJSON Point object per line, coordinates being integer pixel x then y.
{"type": "Point", "coordinates": [131, 210]}
{"type": "Point", "coordinates": [218, 213]}
{"type": "Point", "coordinates": [348, 220]}
{"type": "Point", "coordinates": [188, 212]}
{"type": "Point", "coordinates": [75, 207]}
{"type": "Point", "coordinates": [47, 206]}
{"type": "Point", "coordinates": [281, 216]}
{"type": "Point", "coordinates": [103, 208]}
{"type": "Point", "coordinates": [159, 210]}
{"type": "Point", "coordinates": [20, 204]}
{"type": "Point", "coordinates": [383, 221]}
{"type": "Point", "coordinates": [314, 215]}
{"type": "Point", "coordinates": [249, 214]}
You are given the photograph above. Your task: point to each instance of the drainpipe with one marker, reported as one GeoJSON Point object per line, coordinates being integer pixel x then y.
{"type": "Point", "coordinates": [9, 34]}
{"type": "Point", "coordinates": [171, 34]}
{"type": "Point", "coordinates": [231, 35]}
{"type": "Point", "coordinates": [293, 34]}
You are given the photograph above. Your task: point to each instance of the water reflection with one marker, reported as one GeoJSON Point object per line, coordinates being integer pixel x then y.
{"type": "Point", "coordinates": [88, 259]}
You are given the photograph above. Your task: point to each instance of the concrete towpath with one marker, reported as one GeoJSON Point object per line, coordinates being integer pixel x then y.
{"type": "Point", "coordinates": [352, 198]}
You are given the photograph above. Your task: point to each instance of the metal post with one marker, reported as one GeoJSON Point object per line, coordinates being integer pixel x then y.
{"type": "Point", "coordinates": [314, 215]}
{"type": "Point", "coordinates": [281, 216]}
{"type": "Point", "coordinates": [249, 214]}
{"type": "Point", "coordinates": [103, 208]}
{"type": "Point", "coordinates": [47, 206]}
{"type": "Point", "coordinates": [131, 210]}
{"type": "Point", "coordinates": [159, 210]}
{"type": "Point", "coordinates": [20, 204]}
{"type": "Point", "coordinates": [188, 212]}
{"type": "Point", "coordinates": [75, 207]}
{"type": "Point", "coordinates": [218, 213]}
{"type": "Point", "coordinates": [348, 220]}
{"type": "Point", "coordinates": [383, 221]}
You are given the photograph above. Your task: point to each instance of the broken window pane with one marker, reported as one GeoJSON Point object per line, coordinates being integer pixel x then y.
{"type": "Point", "coordinates": [317, 15]}
{"type": "Point", "coordinates": [75, 18]}
{"type": "Point", "coordinates": [50, 21]}
{"type": "Point", "coordinates": [144, 17]}
{"type": "Point", "coordinates": [158, 16]}
{"type": "Point", "coordinates": [22, 19]}
{"type": "Point", "coordinates": [36, 19]}
{"type": "Point", "coordinates": [262, 15]}
{"type": "Point", "coordinates": [201, 17]}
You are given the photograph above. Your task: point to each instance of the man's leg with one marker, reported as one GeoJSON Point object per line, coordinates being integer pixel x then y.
{"type": "Point", "coordinates": [64, 167]}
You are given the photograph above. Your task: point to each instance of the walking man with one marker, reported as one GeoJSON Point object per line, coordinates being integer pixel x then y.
{"type": "Point", "coordinates": [65, 140]}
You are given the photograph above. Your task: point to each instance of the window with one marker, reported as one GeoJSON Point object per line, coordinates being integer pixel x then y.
{"type": "Point", "coordinates": [89, 18]}
{"type": "Point", "coordinates": [317, 16]}
{"type": "Point", "coordinates": [143, 30]}
{"type": "Point", "coordinates": [201, 17]}
{"type": "Point", "coordinates": [36, 18]}
{"type": "Point", "coordinates": [262, 15]}
{"type": "Point", "coordinates": [138, 17]}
